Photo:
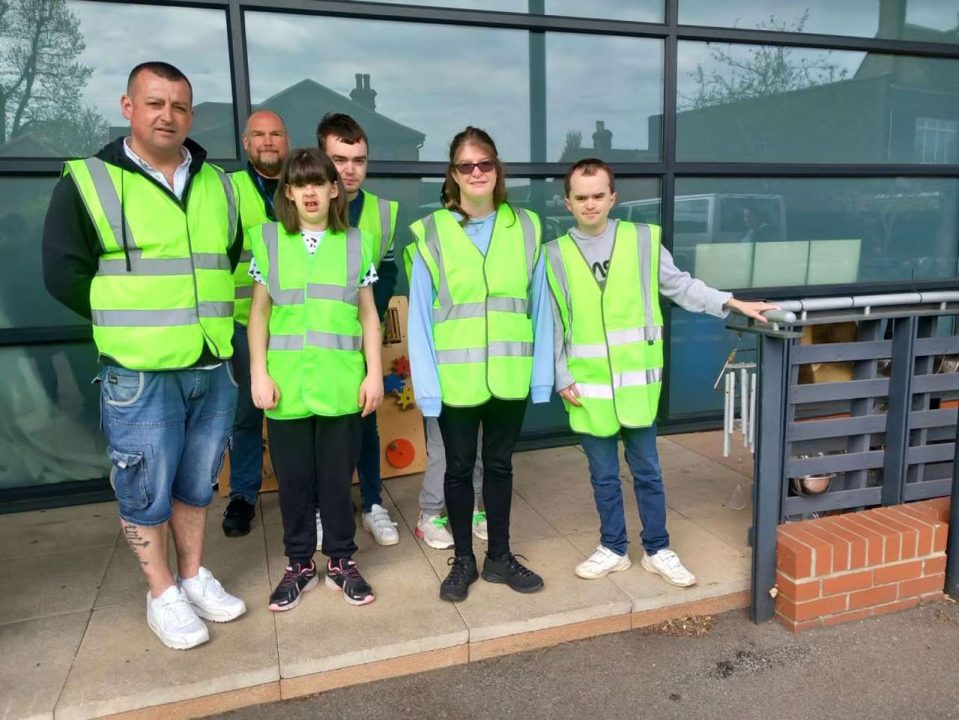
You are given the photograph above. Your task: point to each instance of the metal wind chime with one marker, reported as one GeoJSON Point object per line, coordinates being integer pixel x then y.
{"type": "Point", "coordinates": [744, 375]}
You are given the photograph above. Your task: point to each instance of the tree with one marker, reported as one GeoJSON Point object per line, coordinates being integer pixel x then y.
{"type": "Point", "coordinates": [763, 70]}
{"type": "Point", "coordinates": [574, 141]}
{"type": "Point", "coordinates": [41, 78]}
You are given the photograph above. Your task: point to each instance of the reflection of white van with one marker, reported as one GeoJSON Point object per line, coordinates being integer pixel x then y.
{"type": "Point", "coordinates": [711, 218]}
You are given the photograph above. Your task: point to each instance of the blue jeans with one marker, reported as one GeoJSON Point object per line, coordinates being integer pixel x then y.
{"type": "Point", "coordinates": [643, 461]}
{"type": "Point", "coordinates": [166, 435]}
{"type": "Point", "coordinates": [368, 466]}
{"type": "Point", "coordinates": [246, 450]}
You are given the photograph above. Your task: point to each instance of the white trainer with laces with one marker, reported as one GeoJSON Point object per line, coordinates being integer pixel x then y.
{"type": "Point", "coordinates": [480, 529]}
{"type": "Point", "coordinates": [431, 529]}
{"type": "Point", "coordinates": [601, 563]}
{"type": "Point", "coordinates": [668, 566]}
{"type": "Point", "coordinates": [377, 522]}
{"type": "Point", "coordinates": [319, 533]}
{"type": "Point", "coordinates": [208, 598]}
{"type": "Point", "coordinates": [173, 619]}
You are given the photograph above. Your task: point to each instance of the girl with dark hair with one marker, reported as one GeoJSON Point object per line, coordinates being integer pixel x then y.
{"type": "Point", "coordinates": [312, 323]}
{"type": "Point", "coordinates": [480, 333]}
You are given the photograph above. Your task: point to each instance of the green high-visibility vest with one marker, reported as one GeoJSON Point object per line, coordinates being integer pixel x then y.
{"type": "Point", "coordinates": [157, 304]}
{"type": "Point", "coordinates": [409, 253]}
{"type": "Point", "coordinates": [252, 211]}
{"type": "Point", "coordinates": [482, 330]}
{"type": "Point", "coordinates": [613, 336]}
{"type": "Point", "coordinates": [378, 222]}
{"type": "Point", "coordinates": [316, 339]}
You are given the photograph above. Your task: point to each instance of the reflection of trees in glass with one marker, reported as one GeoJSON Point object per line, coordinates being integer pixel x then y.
{"type": "Point", "coordinates": [574, 141]}
{"type": "Point", "coordinates": [41, 79]}
{"type": "Point", "coordinates": [763, 71]}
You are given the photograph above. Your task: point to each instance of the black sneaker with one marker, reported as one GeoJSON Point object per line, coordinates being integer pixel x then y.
{"type": "Point", "coordinates": [463, 573]}
{"type": "Point", "coordinates": [512, 572]}
{"type": "Point", "coordinates": [237, 517]}
{"type": "Point", "coordinates": [343, 575]}
{"type": "Point", "coordinates": [297, 579]}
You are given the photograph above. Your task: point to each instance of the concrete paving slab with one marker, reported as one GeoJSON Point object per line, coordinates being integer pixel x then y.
{"type": "Point", "coordinates": [719, 568]}
{"type": "Point", "coordinates": [50, 531]}
{"type": "Point", "coordinates": [68, 583]}
{"type": "Point", "coordinates": [710, 445]}
{"type": "Point", "coordinates": [325, 633]}
{"type": "Point", "coordinates": [559, 490]}
{"type": "Point", "coordinates": [35, 657]}
{"type": "Point", "coordinates": [493, 611]}
{"type": "Point", "coordinates": [238, 563]}
{"type": "Point", "coordinates": [121, 665]}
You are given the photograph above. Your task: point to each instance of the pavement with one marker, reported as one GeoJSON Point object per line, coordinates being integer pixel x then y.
{"type": "Point", "coordinates": [74, 642]}
{"type": "Point", "coordinates": [709, 668]}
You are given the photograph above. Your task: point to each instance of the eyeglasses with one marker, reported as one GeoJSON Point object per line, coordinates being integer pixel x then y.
{"type": "Point", "coordinates": [466, 168]}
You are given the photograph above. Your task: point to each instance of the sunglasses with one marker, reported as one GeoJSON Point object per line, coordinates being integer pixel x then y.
{"type": "Point", "coordinates": [466, 168]}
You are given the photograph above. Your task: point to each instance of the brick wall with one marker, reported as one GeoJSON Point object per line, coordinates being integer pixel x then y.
{"type": "Point", "coordinates": [847, 567]}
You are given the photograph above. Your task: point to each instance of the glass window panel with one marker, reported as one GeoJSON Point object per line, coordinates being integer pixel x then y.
{"type": "Point", "coordinates": [793, 232]}
{"type": "Point", "coordinates": [918, 20]}
{"type": "Point", "coordinates": [410, 109]}
{"type": "Point", "coordinates": [758, 103]}
{"type": "Point", "coordinates": [24, 301]}
{"type": "Point", "coordinates": [73, 108]}
{"type": "Point", "coordinates": [635, 10]}
{"type": "Point", "coordinates": [617, 118]}
{"type": "Point", "coordinates": [50, 432]}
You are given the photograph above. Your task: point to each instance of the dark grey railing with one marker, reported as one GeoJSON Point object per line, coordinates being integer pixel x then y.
{"type": "Point", "coordinates": [880, 437]}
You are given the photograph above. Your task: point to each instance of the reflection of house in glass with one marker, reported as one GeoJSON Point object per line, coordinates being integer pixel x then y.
{"type": "Point", "coordinates": [603, 148]}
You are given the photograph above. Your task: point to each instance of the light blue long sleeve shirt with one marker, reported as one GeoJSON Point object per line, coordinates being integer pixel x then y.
{"type": "Point", "coordinates": [426, 379]}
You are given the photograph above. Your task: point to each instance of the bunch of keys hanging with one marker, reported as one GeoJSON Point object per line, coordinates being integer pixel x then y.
{"type": "Point", "coordinates": [743, 374]}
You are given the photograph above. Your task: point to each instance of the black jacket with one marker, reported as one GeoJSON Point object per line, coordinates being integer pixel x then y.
{"type": "Point", "coordinates": [71, 246]}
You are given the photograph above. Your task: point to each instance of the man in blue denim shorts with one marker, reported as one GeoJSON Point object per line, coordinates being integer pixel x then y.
{"type": "Point", "coordinates": [142, 239]}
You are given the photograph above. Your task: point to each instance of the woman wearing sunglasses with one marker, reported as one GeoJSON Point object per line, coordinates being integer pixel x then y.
{"type": "Point", "coordinates": [480, 332]}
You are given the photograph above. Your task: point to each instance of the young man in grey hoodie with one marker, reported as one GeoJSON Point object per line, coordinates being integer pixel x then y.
{"type": "Point", "coordinates": [606, 277]}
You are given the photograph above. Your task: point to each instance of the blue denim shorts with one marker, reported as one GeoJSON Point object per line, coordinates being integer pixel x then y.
{"type": "Point", "coordinates": [166, 435]}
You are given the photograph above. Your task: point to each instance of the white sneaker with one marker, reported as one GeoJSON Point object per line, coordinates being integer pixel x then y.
{"type": "Point", "coordinates": [377, 521]}
{"type": "Point", "coordinates": [172, 618]}
{"type": "Point", "coordinates": [208, 598]}
{"type": "Point", "coordinates": [431, 529]}
{"type": "Point", "coordinates": [319, 533]}
{"type": "Point", "coordinates": [667, 565]}
{"type": "Point", "coordinates": [601, 563]}
{"type": "Point", "coordinates": [479, 524]}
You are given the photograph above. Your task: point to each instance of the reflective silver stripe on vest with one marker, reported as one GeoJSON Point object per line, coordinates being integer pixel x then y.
{"type": "Point", "coordinates": [317, 291]}
{"type": "Point", "coordinates": [332, 341]}
{"type": "Point", "coordinates": [285, 342]}
{"type": "Point", "coordinates": [594, 392]}
{"type": "Point", "coordinates": [242, 293]}
{"type": "Point", "coordinates": [459, 312]}
{"type": "Point", "coordinates": [554, 256]}
{"type": "Point", "coordinates": [246, 256]}
{"type": "Point", "coordinates": [140, 265]}
{"type": "Point", "coordinates": [211, 261]}
{"type": "Point", "coordinates": [384, 209]}
{"type": "Point", "coordinates": [279, 297]}
{"type": "Point", "coordinates": [215, 309]}
{"type": "Point", "coordinates": [645, 240]}
{"type": "Point", "coordinates": [145, 318]}
{"type": "Point", "coordinates": [614, 338]}
{"type": "Point", "coordinates": [636, 378]}
{"type": "Point", "coordinates": [510, 349]}
{"type": "Point", "coordinates": [230, 201]}
{"type": "Point", "coordinates": [461, 356]}
{"type": "Point", "coordinates": [508, 304]}
{"type": "Point", "coordinates": [354, 258]}
{"type": "Point", "coordinates": [432, 239]}
{"type": "Point", "coordinates": [529, 242]}
{"type": "Point", "coordinates": [585, 352]}
{"type": "Point", "coordinates": [110, 202]}
{"type": "Point", "coordinates": [633, 335]}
